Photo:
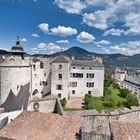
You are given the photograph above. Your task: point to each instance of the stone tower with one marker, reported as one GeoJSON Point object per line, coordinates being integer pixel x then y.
{"type": "Point", "coordinates": [15, 72]}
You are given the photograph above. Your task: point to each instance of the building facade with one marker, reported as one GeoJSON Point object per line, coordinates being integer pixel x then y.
{"type": "Point", "coordinates": [132, 82]}
{"type": "Point", "coordinates": [59, 76]}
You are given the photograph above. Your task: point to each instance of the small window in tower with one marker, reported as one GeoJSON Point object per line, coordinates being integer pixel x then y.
{"type": "Point", "coordinates": [44, 74]}
{"type": "Point", "coordinates": [59, 87]}
{"type": "Point", "coordinates": [59, 95]}
{"type": "Point", "coordinates": [73, 91]}
{"type": "Point", "coordinates": [59, 76]}
{"type": "Point", "coordinates": [60, 66]}
{"type": "Point", "coordinates": [41, 65]}
{"type": "Point", "coordinates": [34, 67]}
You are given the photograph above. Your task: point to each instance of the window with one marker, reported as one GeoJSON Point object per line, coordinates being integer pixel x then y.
{"type": "Point", "coordinates": [60, 66]}
{"type": "Point", "coordinates": [90, 84]}
{"type": "Point", "coordinates": [44, 83]}
{"type": "Point", "coordinates": [59, 76]}
{"type": "Point", "coordinates": [82, 67]}
{"type": "Point", "coordinates": [90, 68]}
{"type": "Point", "coordinates": [73, 67]}
{"type": "Point", "coordinates": [59, 95]}
{"type": "Point", "coordinates": [77, 75]}
{"type": "Point", "coordinates": [89, 92]}
{"type": "Point", "coordinates": [90, 75]}
{"type": "Point", "coordinates": [44, 74]}
{"type": "Point", "coordinates": [73, 91]}
{"type": "Point", "coordinates": [41, 65]}
{"type": "Point", "coordinates": [73, 84]}
{"type": "Point", "coordinates": [59, 87]}
{"type": "Point", "coordinates": [17, 87]}
{"type": "Point", "coordinates": [34, 67]}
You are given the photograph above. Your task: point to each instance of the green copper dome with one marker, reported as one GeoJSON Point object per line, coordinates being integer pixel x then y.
{"type": "Point", "coordinates": [17, 49]}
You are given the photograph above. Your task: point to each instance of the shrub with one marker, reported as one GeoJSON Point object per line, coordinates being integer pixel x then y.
{"type": "Point", "coordinates": [132, 100]}
{"type": "Point", "coordinates": [110, 101]}
{"type": "Point", "coordinates": [63, 102]}
{"type": "Point", "coordinates": [107, 91]}
{"type": "Point", "coordinates": [124, 92]}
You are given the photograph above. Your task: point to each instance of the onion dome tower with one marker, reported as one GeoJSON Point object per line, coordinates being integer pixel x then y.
{"type": "Point", "coordinates": [17, 49]}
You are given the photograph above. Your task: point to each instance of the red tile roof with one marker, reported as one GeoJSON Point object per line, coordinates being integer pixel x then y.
{"type": "Point", "coordinates": [40, 126]}
{"type": "Point", "coordinates": [123, 130]}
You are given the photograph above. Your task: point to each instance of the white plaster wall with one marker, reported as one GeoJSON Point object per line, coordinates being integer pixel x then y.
{"type": "Point", "coordinates": [65, 71]}
{"type": "Point", "coordinates": [13, 74]}
{"type": "Point", "coordinates": [38, 76]}
{"type": "Point", "coordinates": [82, 88]}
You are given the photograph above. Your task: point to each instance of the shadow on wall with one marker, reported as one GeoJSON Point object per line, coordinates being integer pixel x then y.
{"type": "Point", "coordinates": [17, 102]}
{"type": "Point", "coordinates": [46, 90]}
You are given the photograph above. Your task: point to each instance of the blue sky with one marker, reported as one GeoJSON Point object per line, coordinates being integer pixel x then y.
{"type": "Point", "coordinates": [48, 26]}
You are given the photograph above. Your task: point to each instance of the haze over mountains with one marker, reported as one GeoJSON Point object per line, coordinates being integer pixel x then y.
{"type": "Point", "coordinates": [115, 60]}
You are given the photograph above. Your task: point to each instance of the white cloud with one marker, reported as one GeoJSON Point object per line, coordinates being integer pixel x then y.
{"type": "Point", "coordinates": [85, 37]}
{"type": "Point", "coordinates": [114, 32]}
{"type": "Point", "coordinates": [103, 42]}
{"type": "Point", "coordinates": [129, 48]}
{"type": "Point", "coordinates": [63, 31]}
{"type": "Point", "coordinates": [23, 40]}
{"type": "Point", "coordinates": [62, 41]}
{"type": "Point", "coordinates": [104, 13]}
{"type": "Point", "coordinates": [44, 27]}
{"type": "Point", "coordinates": [35, 35]}
{"type": "Point", "coordinates": [47, 48]}
{"type": "Point", "coordinates": [71, 6]}
{"type": "Point", "coordinates": [97, 19]}
{"type": "Point", "coordinates": [99, 3]}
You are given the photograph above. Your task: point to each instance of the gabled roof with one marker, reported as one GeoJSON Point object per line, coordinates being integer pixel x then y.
{"type": "Point", "coordinates": [17, 102]}
{"type": "Point", "coordinates": [86, 63]}
{"type": "Point", "coordinates": [41, 126]}
{"type": "Point", "coordinates": [61, 59]}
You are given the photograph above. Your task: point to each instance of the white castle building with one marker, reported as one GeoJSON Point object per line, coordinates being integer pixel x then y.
{"type": "Point", "coordinates": [60, 76]}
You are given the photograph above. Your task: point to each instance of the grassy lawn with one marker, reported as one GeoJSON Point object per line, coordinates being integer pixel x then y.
{"type": "Point", "coordinates": [98, 103]}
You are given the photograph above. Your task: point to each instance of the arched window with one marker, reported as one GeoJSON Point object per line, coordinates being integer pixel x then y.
{"type": "Point", "coordinates": [35, 92]}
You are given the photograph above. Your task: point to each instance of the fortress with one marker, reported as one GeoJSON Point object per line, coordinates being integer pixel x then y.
{"type": "Point", "coordinates": [60, 76]}
{"type": "Point", "coordinates": [25, 82]}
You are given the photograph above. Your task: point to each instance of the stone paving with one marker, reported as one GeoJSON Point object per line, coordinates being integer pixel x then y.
{"type": "Point", "coordinates": [75, 103]}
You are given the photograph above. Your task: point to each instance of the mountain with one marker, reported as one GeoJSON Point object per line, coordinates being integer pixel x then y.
{"type": "Point", "coordinates": [3, 52]}
{"type": "Point", "coordinates": [115, 60]}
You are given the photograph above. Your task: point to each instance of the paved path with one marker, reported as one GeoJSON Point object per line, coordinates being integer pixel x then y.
{"type": "Point", "coordinates": [75, 103]}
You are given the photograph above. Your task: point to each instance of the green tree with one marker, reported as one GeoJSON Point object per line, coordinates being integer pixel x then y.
{"type": "Point", "coordinates": [124, 92]}
{"type": "Point", "coordinates": [107, 91]}
{"type": "Point", "coordinates": [110, 101]}
{"type": "Point", "coordinates": [132, 100]}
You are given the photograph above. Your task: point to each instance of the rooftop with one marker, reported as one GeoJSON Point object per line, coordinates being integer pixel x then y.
{"type": "Point", "coordinates": [87, 63]}
{"type": "Point", "coordinates": [61, 59]}
{"type": "Point", "coordinates": [40, 126]}
{"type": "Point", "coordinates": [125, 130]}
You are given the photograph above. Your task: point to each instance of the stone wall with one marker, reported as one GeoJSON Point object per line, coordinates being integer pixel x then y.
{"type": "Point", "coordinates": [96, 126]}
